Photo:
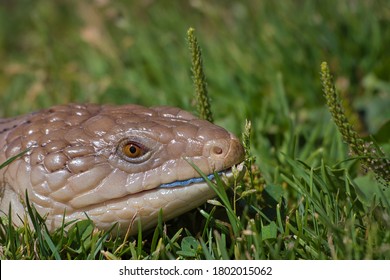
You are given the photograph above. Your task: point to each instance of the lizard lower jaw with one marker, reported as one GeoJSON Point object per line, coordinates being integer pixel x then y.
{"type": "Point", "coordinates": [146, 205]}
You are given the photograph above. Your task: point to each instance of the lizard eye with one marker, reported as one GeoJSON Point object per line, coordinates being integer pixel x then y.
{"type": "Point", "coordinates": [132, 150]}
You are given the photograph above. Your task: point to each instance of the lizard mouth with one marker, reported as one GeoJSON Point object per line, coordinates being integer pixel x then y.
{"type": "Point", "coordinates": [187, 182]}
{"type": "Point", "coordinates": [227, 173]}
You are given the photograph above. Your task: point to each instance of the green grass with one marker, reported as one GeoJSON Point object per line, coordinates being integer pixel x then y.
{"type": "Point", "coordinates": [304, 197]}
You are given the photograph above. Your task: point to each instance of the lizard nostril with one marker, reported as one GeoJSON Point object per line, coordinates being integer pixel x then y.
{"type": "Point", "coordinates": [217, 150]}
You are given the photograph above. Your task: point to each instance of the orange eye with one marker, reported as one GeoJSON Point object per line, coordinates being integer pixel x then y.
{"type": "Point", "coordinates": [132, 150]}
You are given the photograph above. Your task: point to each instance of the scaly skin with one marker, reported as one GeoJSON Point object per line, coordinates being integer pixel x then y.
{"type": "Point", "coordinates": [76, 164]}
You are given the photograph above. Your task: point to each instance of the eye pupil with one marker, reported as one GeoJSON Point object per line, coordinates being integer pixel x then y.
{"type": "Point", "coordinates": [133, 149]}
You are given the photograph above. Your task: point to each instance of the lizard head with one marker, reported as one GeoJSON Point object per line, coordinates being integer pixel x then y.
{"type": "Point", "coordinates": [116, 164]}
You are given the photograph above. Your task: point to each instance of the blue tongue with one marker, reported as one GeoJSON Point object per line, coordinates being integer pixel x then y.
{"type": "Point", "coordinates": [185, 182]}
